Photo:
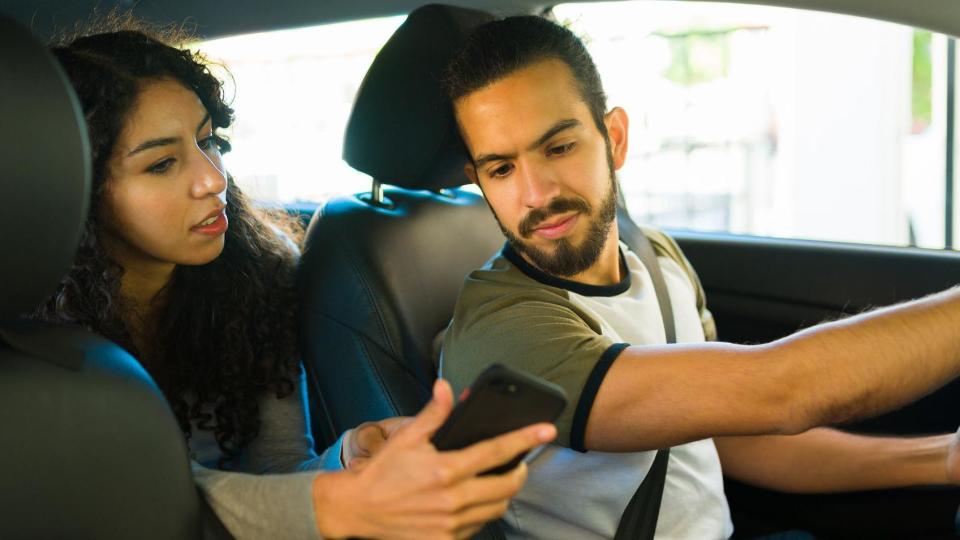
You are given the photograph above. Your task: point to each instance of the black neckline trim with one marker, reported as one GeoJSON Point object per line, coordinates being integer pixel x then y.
{"type": "Point", "coordinates": [580, 288]}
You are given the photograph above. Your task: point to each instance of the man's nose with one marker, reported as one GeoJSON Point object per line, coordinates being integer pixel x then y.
{"type": "Point", "coordinates": [538, 187]}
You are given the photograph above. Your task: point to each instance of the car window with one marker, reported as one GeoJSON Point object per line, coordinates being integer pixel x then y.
{"type": "Point", "coordinates": [744, 119]}
{"type": "Point", "coordinates": [776, 122]}
{"type": "Point", "coordinates": [292, 92]}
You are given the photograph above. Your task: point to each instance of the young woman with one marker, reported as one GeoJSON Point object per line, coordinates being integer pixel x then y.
{"type": "Point", "coordinates": [178, 268]}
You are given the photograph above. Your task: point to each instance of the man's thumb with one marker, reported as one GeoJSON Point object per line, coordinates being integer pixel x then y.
{"type": "Point", "coordinates": [431, 417]}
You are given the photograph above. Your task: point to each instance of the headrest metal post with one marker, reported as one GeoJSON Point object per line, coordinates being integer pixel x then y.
{"type": "Point", "coordinates": [376, 193]}
{"type": "Point", "coordinates": [376, 196]}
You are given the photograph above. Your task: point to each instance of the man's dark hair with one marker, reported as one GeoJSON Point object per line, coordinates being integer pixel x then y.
{"type": "Point", "coordinates": [496, 49]}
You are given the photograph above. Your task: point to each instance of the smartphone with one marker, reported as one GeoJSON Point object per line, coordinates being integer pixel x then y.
{"type": "Point", "coordinates": [500, 400]}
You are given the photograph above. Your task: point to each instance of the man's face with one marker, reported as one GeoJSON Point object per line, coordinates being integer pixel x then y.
{"type": "Point", "coordinates": [545, 169]}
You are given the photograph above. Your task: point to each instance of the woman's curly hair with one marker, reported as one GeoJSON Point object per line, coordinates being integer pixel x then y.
{"type": "Point", "coordinates": [226, 333]}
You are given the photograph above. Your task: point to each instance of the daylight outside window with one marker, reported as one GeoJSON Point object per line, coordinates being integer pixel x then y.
{"type": "Point", "coordinates": [292, 93]}
{"type": "Point", "coordinates": [773, 121]}
{"type": "Point", "coordinates": [743, 119]}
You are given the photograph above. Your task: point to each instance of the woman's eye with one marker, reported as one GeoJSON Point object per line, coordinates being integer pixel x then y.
{"type": "Point", "coordinates": [561, 149]}
{"type": "Point", "coordinates": [161, 166]}
{"type": "Point", "coordinates": [215, 143]}
{"type": "Point", "coordinates": [501, 171]}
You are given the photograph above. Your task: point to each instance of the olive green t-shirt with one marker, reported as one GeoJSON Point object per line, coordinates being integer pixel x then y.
{"type": "Point", "coordinates": [570, 334]}
{"type": "Point", "coordinates": [511, 313]}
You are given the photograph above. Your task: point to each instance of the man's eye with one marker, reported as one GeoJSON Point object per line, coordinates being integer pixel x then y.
{"type": "Point", "coordinates": [161, 166]}
{"type": "Point", "coordinates": [501, 171]}
{"type": "Point", "coordinates": [561, 149]}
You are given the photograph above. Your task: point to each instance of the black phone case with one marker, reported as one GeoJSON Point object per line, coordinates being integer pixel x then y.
{"type": "Point", "coordinates": [501, 400]}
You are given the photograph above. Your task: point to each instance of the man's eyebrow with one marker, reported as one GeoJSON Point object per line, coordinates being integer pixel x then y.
{"type": "Point", "coordinates": [154, 143]}
{"type": "Point", "coordinates": [556, 128]}
{"type": "Point", "coordinates": [487, 158]}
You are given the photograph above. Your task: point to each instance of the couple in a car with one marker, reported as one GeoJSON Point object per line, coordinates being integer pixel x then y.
{"type": "Point", "coordinates": [178, 268]}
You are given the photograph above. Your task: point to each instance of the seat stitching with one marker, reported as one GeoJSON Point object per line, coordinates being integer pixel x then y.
{"type": "Point", "coordinates": [365, 343]}
{"type": "Point", "coordinates": [368, 292]}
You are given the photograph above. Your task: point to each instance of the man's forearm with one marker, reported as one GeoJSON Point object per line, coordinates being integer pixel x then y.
{"type": "Point", "coordinates": [827, 460]}
{"type": "Point", "coordinates": [874, 362]}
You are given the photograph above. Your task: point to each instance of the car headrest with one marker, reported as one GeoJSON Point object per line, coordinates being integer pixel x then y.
{"type": "Point", "coordinates": [402, 130]}
{"type": "Point", "coordinates": [45, 176]}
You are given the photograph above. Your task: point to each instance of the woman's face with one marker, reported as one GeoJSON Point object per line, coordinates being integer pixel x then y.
{"type": "Point", "coordinates": [165, 197]}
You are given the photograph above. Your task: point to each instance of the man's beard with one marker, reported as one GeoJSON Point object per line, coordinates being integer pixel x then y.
{"type": "Point", "coordinates": [567, 259]}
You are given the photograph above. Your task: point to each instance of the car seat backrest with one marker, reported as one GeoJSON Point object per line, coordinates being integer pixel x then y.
{"type": "Point", "coordinates": [45, 194]}
{"type": "Point", "coordinates": [90, 447]}
{"type": "Point", "coordinates": [380, 273]}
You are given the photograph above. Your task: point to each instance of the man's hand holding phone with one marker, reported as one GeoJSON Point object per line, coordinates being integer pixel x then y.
{"type": "Point", "coordinates": [409, 489]}
{"type": "Point", "coordinates": [498, 401]}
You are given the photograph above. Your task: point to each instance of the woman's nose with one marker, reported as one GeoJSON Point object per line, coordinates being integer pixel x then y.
{"type": "Point", "coordinates": [211, 177]}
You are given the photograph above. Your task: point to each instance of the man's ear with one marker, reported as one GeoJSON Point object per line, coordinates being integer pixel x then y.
{"type": "Point", "coordinates": [471, 172]}
{"type": "Point", "coordinates": [618, 125]}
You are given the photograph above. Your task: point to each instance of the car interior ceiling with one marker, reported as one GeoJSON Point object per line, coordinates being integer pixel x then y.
{"type": "Point", "coordinates": [368, 336]}
{"type": "Point", "coordinates": [45, 16]}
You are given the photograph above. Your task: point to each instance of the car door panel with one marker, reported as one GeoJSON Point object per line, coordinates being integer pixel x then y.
{"type": "Point", "coordinates": [761, 289]}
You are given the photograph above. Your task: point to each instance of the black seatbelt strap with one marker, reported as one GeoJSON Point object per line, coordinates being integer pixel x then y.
{"type": "Point", "coordinates": [493, 530]}
{"type": "Point", "coordinates": [639, 520]}
{"type": "Point", "coordinates": [640, 244]}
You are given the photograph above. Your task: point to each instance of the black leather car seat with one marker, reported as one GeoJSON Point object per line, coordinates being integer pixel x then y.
{"type": "Point", "coordinates": [381, 272]}
{"type": "Point", "coordinates": [90, 447]}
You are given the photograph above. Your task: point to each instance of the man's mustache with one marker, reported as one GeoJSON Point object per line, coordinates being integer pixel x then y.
{"type": "Point", "coordinates": [535, 217]}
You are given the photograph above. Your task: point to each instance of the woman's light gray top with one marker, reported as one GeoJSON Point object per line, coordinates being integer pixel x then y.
{"type": "Point", "coordinates": [269, 492]}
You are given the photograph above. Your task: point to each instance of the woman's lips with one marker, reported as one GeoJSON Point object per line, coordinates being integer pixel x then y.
{"type": "Point", "coordinates": [557, 229]}
{"type": "Point", "coordinates": [216, 228]}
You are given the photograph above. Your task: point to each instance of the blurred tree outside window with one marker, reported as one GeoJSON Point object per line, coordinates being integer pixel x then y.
{"type": "Point", "coordinates": [922, 89]}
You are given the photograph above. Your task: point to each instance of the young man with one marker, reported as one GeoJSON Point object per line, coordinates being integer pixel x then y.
{"type": "Point", "coordinates": [566, 301]}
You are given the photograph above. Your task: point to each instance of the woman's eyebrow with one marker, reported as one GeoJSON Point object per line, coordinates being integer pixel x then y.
{"type": "Point", "coordinates": [164, 141]}
{"type": "Point", "coordinates": [153, 143]}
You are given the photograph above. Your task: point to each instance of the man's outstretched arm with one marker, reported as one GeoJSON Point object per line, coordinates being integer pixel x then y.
{"type": "Point", "coordinates": [654, 397]}
{"type": "Point", "coordinates": [828, 460]}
